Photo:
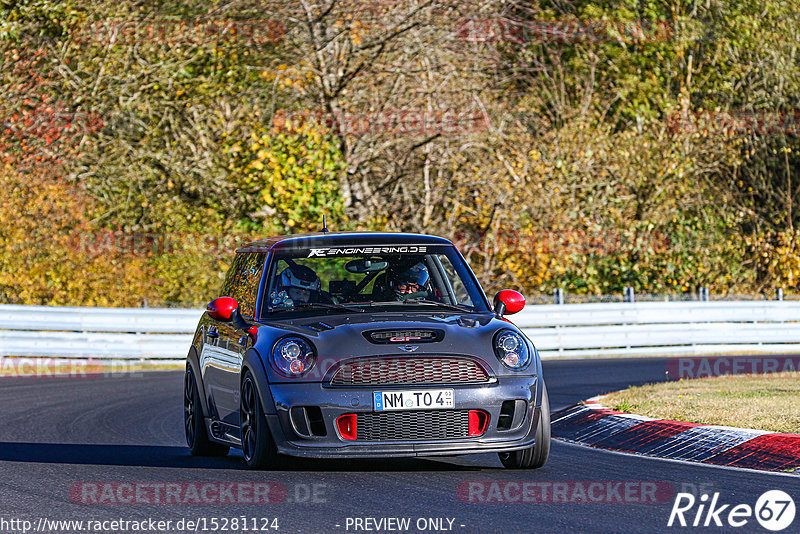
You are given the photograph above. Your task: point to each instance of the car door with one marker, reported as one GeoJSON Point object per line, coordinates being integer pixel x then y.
{"type": "Point", "coordinates": [215, 353]}
{"type": "Point", "coordinates": [233, 342]}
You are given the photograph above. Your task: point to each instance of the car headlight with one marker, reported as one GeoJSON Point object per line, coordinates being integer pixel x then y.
{"type": "Point", "coordinates": [293, 356]}
{"type": "Point", "coordinates": [511, 349]}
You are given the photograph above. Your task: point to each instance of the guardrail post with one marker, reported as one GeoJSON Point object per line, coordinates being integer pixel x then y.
{"type": "Point", "coordinates": [558, 296]}
{"type": "Point", "coordinates": [629, 295]}
{"type": "Point", "coordinates": [779, 294]}
{"type": "Point", "coordinates": [704, 295]}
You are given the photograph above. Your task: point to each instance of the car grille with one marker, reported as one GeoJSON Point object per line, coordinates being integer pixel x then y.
{"type": "Point", "coordinates": [437, 370]}
{"type": "Point", "coordinates": [413, 425]}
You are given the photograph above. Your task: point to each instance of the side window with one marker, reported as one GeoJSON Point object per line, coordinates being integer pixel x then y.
{"type": "Point", "coordinates": [229, 284]}
{"type": "Point", "coordinates": [461, 294]}
{"type": "Point", "coordinates": [247, 278]}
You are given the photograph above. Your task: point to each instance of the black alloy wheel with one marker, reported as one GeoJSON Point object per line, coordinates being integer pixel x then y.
{"type": "Point", "coordinates": [258, 446]}
{"type": "Point", "coordinates": [194, 422]}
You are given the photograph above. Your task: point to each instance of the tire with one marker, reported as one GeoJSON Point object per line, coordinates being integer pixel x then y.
{"type": "Point", "coordinates": [536, 456]}
{"type": "Point", "coordinates": [194, 421]}
{"type": "Point", "coordinates": [258, 447]}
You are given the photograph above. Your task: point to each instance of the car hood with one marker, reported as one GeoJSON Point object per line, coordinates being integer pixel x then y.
{"type": "Point", "coordinates": [339, 337]}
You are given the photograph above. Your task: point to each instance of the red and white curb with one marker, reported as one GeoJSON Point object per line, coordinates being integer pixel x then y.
{"type": "Point", "coordinates": [593, 424]}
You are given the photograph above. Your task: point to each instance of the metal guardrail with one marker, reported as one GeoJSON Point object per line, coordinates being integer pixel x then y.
{"type": "Point", "coordinates": [556, 330]}
{"type": "Point", "coordinates": [101, 333]}
{"type": "Point", "coordinates": [662, 327]}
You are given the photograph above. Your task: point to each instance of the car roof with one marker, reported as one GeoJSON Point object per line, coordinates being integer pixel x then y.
{"type": "Point", "coordinates": [327, 239]}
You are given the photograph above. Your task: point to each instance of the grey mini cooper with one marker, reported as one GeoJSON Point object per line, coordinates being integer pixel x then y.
{"type": "Point", "coordinates": [355, 345]}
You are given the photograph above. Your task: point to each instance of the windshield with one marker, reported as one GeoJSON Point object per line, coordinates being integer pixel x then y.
{"type": "Point", "coordinates": [353, 278]}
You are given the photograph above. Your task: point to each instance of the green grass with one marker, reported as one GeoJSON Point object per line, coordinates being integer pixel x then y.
{"type": "Point", "coordinates": [746, 401]}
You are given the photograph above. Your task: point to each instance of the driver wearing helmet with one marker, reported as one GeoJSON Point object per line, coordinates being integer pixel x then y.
{"type": "Point", "coordinates": [296, 284]}
{"type": "Point", "coordinates": [410, 283]}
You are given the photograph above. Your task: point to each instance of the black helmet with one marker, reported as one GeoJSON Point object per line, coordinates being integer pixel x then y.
{"type": "Point", "coordinates": [416, 274]}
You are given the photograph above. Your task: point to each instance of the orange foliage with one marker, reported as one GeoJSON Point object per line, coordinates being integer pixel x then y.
{"type": "Point", "coordinates": [39, 262]}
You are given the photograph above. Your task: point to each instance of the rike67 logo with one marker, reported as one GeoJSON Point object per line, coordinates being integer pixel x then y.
{"type": "Point", "coordinates": [774, 511]}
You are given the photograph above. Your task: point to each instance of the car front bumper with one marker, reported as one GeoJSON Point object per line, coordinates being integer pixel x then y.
{"type": "Point", "coordinates": [334, 402]}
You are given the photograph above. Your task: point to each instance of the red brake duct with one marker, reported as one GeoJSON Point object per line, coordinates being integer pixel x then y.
{"type": "Point", "coordinates": [478, 422]}
{"type": "Point", "coordinates": [347, 425]}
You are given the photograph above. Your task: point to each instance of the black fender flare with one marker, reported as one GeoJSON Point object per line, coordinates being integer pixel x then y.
{"type": "Point", "coordinates": [540, 390]}
{"type": "Point", "coordinates": [194, 362]}
{"type": "Point", "coordinates": [252, 362]}
{"type": "Point", "coordinates": [539, 377]}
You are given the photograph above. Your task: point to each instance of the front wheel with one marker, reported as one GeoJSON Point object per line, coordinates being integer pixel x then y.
{"type": "Point", "coordinates": [258, 446]}
{"type": "Point", "coordinates": [536, 456]}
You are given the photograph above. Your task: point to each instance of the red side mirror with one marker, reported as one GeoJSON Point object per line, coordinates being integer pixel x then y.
{"type": "Point", "coordinates": [508, 301]}
{"type": "Point", "coordinates": [221, 308]}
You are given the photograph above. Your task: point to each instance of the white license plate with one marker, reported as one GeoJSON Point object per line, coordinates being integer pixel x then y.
{"type": "Point", "coordinates": [424, 399]}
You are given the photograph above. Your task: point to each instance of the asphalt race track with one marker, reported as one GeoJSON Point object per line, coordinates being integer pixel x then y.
{"type": "Point", "coordinates": [59, 434]}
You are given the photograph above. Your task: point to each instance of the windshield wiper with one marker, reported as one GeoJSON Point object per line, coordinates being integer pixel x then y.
{"type": "Point", "coordinates": [325, 305]}
{"type": "Point", "coordinates": [440, 304]}
{"type": "Point", "coordinates": [454, 307]}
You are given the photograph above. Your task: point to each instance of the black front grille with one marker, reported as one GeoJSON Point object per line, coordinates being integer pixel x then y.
{"type": "Point", "coordinates": [410, 370]}
{"type": "Point", "coordinates": [413, 425]}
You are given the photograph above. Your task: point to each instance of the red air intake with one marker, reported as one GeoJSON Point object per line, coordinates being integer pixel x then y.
{"type": "Point", "coordinates": [478, 422]}
{"type": "Point", "coordinates": [348, 428]}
